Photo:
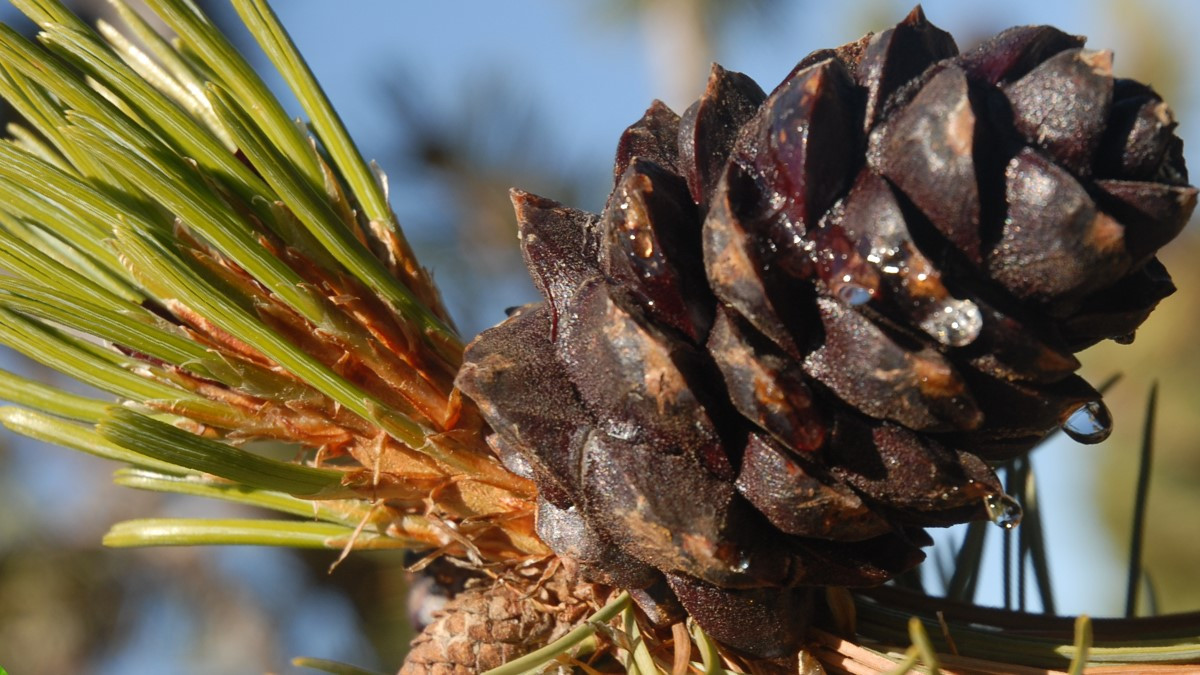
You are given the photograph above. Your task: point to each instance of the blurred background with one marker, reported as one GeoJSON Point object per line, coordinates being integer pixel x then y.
{"type": "Point", "coordinates": [459, 103]}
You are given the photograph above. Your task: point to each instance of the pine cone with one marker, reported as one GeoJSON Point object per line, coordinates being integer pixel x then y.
{"type": "Point", "coordinates": [806, 323]}
{"type": "Point", "coordinates": [490, 622]}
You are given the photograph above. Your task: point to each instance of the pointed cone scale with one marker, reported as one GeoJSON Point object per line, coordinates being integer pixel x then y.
{"type": "Point", "coordinates": [1173, 170]}
{"type": "Point", "coordinates": [666, 509]}
{"type": "Point", "coordinates": [837, 260]}
{"type": "Point", "coordinates": [637, 380]}
{"type": "Point", "coordinates": [850, 54]}
{"type": "Point", "coordinates": [711, 126]}
{"type": "Point", "coordinates": [907, 286]}
{"type": "Point", "coordinates": [515, 460]}
{"type": "Point", "coordinates": [523, 392]}
{"type": "Point", "coordinates": [898, 55]}
{"type": "Point", "coordinates": [866, 368]}
{"type": "Point", "coordinates": [1055, 243]}
{"type": "Point", "coordinates": [860, 563]}
{"type": "Point", "coordinates": [1010, 349]}
{"type": "Point", "coordinates": [659, 604]}
{"type": "Point", "coordinates": [763, 623]}
{"type": "Point", "coordinates": [1153, 213]}
{"type": "Point", "coordinates": [735, 268]}
{"type": "Point", "coordinates": [1012, 53]}
{"type": "Point", "coordinates": [651, 250]}
{"type": "Point", "coordinates": [894, 467]}
{"type": "Point", "coordinates": [1140, 135]}
{"type": "Point", "coordinates": [1117, 311]}
{"type": "Point", "coordinates": [865, 252]}
{"type": "Point", "coordinates": [927, 150]}
{"type": "Point", "coordinates": [560, 245]}
{"type": "Point", "coordinates": [809, 142]}
{"type": "Point", "coordinates": [799, 499]}
{"type": "Point", "coordinates": [1023, 414]}
{"type": "Point", "coordinates": [1062, 106]}
{"type": "Point", "coordinates": [652, 138]}
{"type": "Point", "coordinates": [765, 385]}
{"type": "Point", "coordinates": [569, 535]}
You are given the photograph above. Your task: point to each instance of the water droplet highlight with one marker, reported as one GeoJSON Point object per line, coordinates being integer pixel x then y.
{"type": "Point", "coordinates": [1089, 423]}
{"type": "Point", "coordinates": [622, 430]}
{"type": "Point", "coordinates": [885, 255]}
{"type": "Point", "coordinates": [853, 294]}
{"type": "Point", "coordinates": [954, 323]}
{"type": "Point", "coordinates": [1003, 510]}
{"type": "Point", "coordinates": [642, 240]}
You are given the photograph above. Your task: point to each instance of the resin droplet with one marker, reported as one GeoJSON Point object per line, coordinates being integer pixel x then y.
{"type": "Point", "coordinates": [1003, 510]}
{"type": "Point", "coordinates": [854, 295]}
{"type": "Point", "coordinates": [954, 323]}
{"type": "Point", "coordinates": [1089, 423]}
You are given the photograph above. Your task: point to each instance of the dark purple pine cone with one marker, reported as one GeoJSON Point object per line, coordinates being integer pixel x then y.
{"type": "Point", "coordinates": [807, 322]}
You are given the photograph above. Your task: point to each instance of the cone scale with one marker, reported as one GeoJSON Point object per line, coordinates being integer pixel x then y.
{"type": "Point", "coordinates": [808, 322]}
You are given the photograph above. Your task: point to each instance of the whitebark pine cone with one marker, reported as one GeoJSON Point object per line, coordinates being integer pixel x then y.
{"type": "Point", "coordinates": [808, 321]}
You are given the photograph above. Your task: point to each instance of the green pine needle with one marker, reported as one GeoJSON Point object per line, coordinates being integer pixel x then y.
{"type": "Point", "coordinates": [547, 654]}
{"type": "Point", "coordinates": [327, 666]}
{"type": "Point", "coordinates": [1140, 504]}
{"type": "Point", "coordinates": [243, 532]}
{"type": "Point", "coordinates": [1033, 539]}
{"type": "Point", "coordinates": [77, 437]}
{"type": "Point", "coordinates": [202, 38]}
{"type": "Point", "coordinates": [347, 512]}
{"type": "Point", "coordinates": [315, 212]}
{"type": "Point", "coordinates": [32, 394]}
{"type": "Point", "coordinates": [710, 655]}
{"type": "Point", "coordinates": [178, 278]}
{"type": "Point", "coordinates": [920, 640]}
{"type": "Point", "coordinates": [365, 186]}
{"type": "Point", "coordinates": [277, 45]}
{"type": "Point", "coordinates": [170, 444]}
{"type": "Point", "coordinates": [1082, 646]}
{"type": "Point", "coordinates": [84, 361]}
{"type": "Point", "coordinates": [912, 657]}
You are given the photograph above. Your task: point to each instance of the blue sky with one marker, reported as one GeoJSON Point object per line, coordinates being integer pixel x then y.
{"type": "Point", "coordinates": [587, 73]}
